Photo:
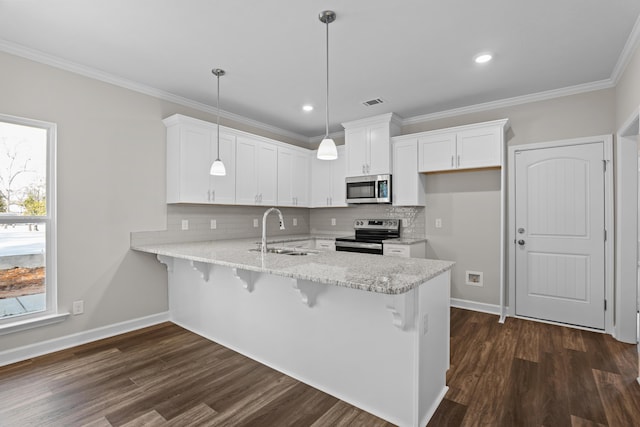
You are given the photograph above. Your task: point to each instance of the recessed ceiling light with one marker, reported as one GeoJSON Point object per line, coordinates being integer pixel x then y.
{"type": "Point", "coordinates": [307, 108]}
{"type": "Point", "coordinates": [483, 58]}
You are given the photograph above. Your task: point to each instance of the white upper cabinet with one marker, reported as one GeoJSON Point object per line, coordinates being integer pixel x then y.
{"type": "Point", "coordinates": [474, 146]}
{"type": "Point", "coordinates": [368, 144]}
{"type": "Point", "coordinates": [256, 171]}
{"type": "Point", "coordinates": [293, 177]}
{"type": "Point", "coordinates": [408, 187]}
{"type": "Point", "coordinates": [191, 149]}
{"type": "Point", "coordinates": [328, 187]}
{"type": "Point", "coordinates": [223, 188]}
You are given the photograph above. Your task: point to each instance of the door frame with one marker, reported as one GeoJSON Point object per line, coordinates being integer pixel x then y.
{"type": "Point", "coordinates": [607, 141]}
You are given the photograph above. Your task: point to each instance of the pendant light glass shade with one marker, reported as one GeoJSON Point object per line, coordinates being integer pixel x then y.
{"type": "Point", "coordinates": [217, 168]}
{"type": "Point", "coordinates": [327, 149]}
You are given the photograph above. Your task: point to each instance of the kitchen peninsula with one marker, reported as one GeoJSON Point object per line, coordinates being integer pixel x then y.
{"type": "Point", "coordinates": [368, 329]}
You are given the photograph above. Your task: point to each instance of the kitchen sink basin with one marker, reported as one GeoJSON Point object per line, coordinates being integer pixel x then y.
{"type": "Point", "coordinates": [284, 251]}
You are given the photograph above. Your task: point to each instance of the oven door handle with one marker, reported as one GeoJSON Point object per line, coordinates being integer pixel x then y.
{"type": "Point", "coordinates": [359, 245]}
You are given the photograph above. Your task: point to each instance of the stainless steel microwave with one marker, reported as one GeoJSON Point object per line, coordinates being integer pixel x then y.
{"type": "Point", "coordinates": [369, 189]}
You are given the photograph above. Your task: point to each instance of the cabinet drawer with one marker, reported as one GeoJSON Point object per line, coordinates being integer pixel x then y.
{"type": "Point", "coordinates": [327, 245]}
{"type": "Point", "coordinates": [396, 250]}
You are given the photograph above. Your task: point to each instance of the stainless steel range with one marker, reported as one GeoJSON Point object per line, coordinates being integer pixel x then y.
{"type": "Point", "coordinates": [370, 235]}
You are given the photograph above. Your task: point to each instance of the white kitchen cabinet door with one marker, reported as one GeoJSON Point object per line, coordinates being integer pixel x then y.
{"type": "Point", "coordinates": [267, 183]}
{"type": "Point", "coordinates": [321, 181]}
{"type": "Point", "coordinates": [479, 148]}
{"type": "Point", "coordinates": [408, 186]}
{"type": "Point", "coordinates": [195, 155]}
{"type": "Point", "coordinates": [437, 152]}
{"type": "Point", "coordinates": [300, 178]}
{"type": "Point", "coordinates": [293, 177]}
{"type": "Point", "coordinates": [246, 171]}
{"type": "Point", "coordinates": [285, 177]}
{"type": "Point", "coordinates": [357, 151]}
{"type": "Point", "coordinates": [223, 188]}
{"type": "Point", "coordinates": [379, 150]}
{"type": "Point", "coordinates": [338, 196]}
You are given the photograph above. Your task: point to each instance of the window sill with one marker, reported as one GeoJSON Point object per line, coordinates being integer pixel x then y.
{"type": "Point", "coordinates": [35, 322]}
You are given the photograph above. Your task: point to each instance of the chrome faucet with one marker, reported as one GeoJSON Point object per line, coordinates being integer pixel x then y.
{"type": "Point", "coordinates": [263, 246]}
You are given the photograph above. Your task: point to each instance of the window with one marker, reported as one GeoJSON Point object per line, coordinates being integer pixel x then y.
{"type": "Point", "coordinates": [27, 222]}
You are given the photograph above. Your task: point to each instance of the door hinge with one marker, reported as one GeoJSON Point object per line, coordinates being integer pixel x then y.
{"type": "Point", "coordinates": [605, 305]}
{"type": "Point", "coordinates": [605, 235]}
{"type": "Point", "coordinates": [604, 165]}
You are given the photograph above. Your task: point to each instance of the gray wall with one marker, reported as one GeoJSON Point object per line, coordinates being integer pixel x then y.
{"type": "Point", "coordinates": [111, 181]}
{"type": "Point", "coordinates": [469, 202]}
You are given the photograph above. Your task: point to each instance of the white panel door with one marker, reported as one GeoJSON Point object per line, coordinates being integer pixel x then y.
{"type": "Point", "coordinates": [560, 243]}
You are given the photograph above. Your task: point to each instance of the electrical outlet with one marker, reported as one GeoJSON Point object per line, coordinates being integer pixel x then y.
{"type": "Point", "coordinates": [255, 222]}
{"type": "Point", "coordinates": [438, 222]}
{"type": "Point", "coordinates": [295, 222]}
{"type": "Point", "coordinates": [405, 222]}
{"type": "Point", "coordinates": [185, 224]}
{"type": "Point", "coordinates": [78, 307]}
{"type": "Point", "coordinates": [333, 221]}
{"type": "Point", "coordinates": [214, 224]}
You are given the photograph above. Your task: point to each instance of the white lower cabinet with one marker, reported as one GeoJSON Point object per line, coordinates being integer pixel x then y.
{"type": "Point", "coordinates": [412, 250]}
{"type": "Point", "coordinates": [328, 188]}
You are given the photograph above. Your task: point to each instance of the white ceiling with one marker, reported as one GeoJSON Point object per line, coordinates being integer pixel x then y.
{"type": "Point", "coordinates": [417, 55]}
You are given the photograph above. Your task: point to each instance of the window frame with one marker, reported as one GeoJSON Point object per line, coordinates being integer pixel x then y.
{"type": "Point", "coordinates": [50, 314]}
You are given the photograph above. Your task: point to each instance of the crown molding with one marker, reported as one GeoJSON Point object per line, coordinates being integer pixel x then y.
{"type": "Point", "coordinates": [627, 52]}
{"type": "Point", "coordinates": [51, 60]}
{"type": "Point", "coordinates": [510, 102]}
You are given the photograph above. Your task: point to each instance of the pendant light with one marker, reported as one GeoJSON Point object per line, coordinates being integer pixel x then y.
{"type": "Point", "coordinates": [327, 149]}
{"type": "Point", "coordinates": [217, 168]}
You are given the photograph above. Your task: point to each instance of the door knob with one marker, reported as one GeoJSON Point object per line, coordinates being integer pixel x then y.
{"type": "Point", "coordinates": [521, 242]}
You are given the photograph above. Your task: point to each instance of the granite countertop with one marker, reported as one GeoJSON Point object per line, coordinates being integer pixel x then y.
{"type": "Point", "coordinates": [373, 273]}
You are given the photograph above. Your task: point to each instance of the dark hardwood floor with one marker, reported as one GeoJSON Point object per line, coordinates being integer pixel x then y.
{"type": "Point", "coordinates": [518, 374]}
{"type": "Point", "coordinates": [525, 373]}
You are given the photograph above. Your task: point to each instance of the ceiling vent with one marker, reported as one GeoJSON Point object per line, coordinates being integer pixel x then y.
{"type": "Point", "coordinates": [372, 102]}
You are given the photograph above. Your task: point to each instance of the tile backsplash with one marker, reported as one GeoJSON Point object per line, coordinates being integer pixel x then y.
{"type": "Point", "coordinates": [237, 222]}
{"type": "Point", "coordinates": [320, 219]}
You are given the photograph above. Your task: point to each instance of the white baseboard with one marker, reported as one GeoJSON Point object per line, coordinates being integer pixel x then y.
{"type": "Point", "coordinates": [475, 306]}
{"type": "Point", "coordinates": [38, 349]}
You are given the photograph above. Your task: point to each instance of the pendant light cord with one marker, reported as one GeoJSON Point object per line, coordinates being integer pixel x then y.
{"type": "Point", "coordinates": [218, 116]}
{"type": "Point", "coordinates": [327, 106]}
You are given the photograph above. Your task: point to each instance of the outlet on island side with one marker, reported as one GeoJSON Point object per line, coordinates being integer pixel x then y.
{"type": "Point", "coordinates": [438, 222]}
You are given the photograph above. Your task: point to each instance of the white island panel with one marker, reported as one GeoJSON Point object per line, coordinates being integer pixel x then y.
{"type": "Point", "coordinates": [387, 354]}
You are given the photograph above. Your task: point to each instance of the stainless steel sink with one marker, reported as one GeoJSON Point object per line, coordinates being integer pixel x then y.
{"type": "Point", "coordinates": [284, 251]}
